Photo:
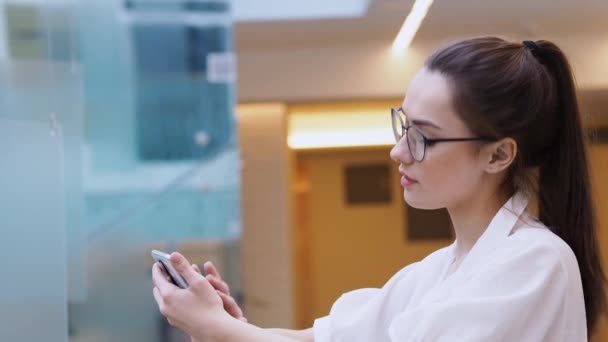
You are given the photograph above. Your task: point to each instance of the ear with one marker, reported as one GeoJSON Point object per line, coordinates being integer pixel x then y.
{"type": "Point", "coordinates": [501, 155]}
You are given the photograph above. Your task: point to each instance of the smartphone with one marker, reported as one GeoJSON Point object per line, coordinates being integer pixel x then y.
{"type": "Point", "coordinates": [163, 259]}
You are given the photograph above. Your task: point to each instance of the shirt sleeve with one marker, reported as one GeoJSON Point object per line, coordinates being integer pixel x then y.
{"type": "Point", "coordinates": [357, 315]}
{"type": "Point", "coordinates": [522, 298]}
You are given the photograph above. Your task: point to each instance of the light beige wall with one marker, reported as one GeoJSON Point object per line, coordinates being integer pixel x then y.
{"type": "Point", "coordinates": [302, 247]}
{"type": "Point", "coordinates": [266, 213]}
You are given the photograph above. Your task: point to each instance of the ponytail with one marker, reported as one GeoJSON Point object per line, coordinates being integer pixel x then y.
{"type": "Point", "coordinates": [565, 201]}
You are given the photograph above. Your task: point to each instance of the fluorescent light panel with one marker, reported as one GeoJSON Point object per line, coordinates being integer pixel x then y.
{"type": "Point", "coordinates": [411, 24]}
{"type": "Point", "coordinates": [339, 129]}
{"type": "Point", "coordinates": [268, 10]}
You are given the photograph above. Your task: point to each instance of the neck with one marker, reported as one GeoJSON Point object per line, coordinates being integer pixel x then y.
{"type": "Point", "coordinates": [471, 218]}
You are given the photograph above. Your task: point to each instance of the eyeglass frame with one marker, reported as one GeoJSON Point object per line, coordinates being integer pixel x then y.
{"type": "Point", "coordinates": [427, 141]}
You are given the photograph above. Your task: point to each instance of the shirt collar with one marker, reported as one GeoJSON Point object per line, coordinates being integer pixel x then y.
{"type": "Point", "coordinates": [499, 229]}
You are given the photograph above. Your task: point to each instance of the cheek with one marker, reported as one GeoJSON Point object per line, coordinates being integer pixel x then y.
{"type": "Point", "coordinates": [444, 179]}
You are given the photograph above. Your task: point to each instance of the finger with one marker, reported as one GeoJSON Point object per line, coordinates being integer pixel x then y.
{"type": "Point", "coordinates": [159, 279]}
{"type": "Point", "coordinates": [184, 268]}
{"type": "Point", "coordinates": [218, 284]}
{"type": "Point", "coordinates": [230, 305]}
{"type": "Point", "coordinates": [158, 298]}
{"type": "Point", "coordinates": [164, 271]}
{"type": "Point", "coordinates": [210, 269]}
{"type": "Point", "coordinates": [196, 268]}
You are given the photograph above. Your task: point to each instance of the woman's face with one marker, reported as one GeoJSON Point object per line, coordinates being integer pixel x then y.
{"type": "Point", "coordinates": [451, 171]}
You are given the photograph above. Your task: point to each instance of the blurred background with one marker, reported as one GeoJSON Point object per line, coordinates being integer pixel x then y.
{"type": "Point", "coordinates": [254, 134]}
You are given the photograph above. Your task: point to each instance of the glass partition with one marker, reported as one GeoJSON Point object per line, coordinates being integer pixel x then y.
{"type": "Point", "coordinates": [118, 126]}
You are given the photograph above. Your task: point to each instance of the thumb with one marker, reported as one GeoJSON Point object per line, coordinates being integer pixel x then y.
{"type": "Point", "coordinates": [184, 268]}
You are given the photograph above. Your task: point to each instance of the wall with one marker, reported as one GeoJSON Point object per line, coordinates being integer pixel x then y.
{"type": "Point", "coordinates": [598, 157]}
{"type": "Point", "coordinates": [354, 246]}
{"type": "Point", "coordinates": [266, 211]}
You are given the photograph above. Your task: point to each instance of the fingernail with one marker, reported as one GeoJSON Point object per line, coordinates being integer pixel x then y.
{"type": "Point", "coordinates": [176, 258]}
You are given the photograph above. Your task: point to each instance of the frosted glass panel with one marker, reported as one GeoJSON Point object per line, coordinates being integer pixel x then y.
{"type": "Point", "coordinates": [41, 81]}
{"type": "Point", "coordinates": [148, 159]}
{"type": "Point", "coordinates": [33, 289]}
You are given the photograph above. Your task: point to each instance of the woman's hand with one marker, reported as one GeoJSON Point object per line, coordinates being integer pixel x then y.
{"type": "Point", "coordinates": [222, 289]}
{"type": "Point", "coordinates": [197, 310]}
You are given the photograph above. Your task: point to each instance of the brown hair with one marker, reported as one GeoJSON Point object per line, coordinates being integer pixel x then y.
{"type": "Point", "coordinates": [527, 92]}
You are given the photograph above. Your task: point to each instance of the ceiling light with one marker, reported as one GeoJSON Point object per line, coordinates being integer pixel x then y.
{"type": "Point", "coordinates": [266, 10]}
{"type": "Point", "coordinates": [411, 25]}
{"type": "Point", "coordinates": [313, 130]}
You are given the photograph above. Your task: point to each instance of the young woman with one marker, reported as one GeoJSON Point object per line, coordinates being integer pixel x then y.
{"type": "Point", "coordinates": [486, 124]}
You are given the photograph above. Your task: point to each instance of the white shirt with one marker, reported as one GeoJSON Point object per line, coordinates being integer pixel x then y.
{"type": "Point", "coordinates": [520, 282]}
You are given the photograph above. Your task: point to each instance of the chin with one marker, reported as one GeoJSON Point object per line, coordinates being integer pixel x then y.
{"type": "Point", "coordinates": [419, 201]}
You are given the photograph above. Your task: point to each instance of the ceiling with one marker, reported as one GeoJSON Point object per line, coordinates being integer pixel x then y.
{"type": "Point", "coordinates": [446, 19]}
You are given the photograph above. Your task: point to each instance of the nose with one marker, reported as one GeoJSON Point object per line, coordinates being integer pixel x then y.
{"type": "Point", "coordinates": [400, 153]}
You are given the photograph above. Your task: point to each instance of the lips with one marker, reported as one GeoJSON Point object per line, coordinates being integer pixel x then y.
{"type": "Point", "coordinates": [406, 180]}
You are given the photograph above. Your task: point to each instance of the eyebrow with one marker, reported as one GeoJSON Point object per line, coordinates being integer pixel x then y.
{"type": "Point", "coordinates": [421, 122]}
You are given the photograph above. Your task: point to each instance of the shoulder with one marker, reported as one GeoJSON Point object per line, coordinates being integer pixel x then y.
{"type": "Point", "coordinates": [535, 242]}
{"type": "Point", "coordinates": [531, 263]}
{"type": "Point", "coordinates": [414, 274]}
{"type": "Point", "coordinates": [437, 256]}
{"type": "Point", "coordinates": [425, 264]}
{"type": "Point", "coordinates": [533, 236]}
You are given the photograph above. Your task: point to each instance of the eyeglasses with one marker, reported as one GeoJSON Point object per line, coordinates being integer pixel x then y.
{"type": "Point", "coordinates": [417, 141]}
